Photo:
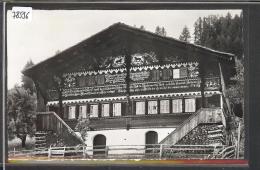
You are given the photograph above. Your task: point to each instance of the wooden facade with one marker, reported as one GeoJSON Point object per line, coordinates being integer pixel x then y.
{"type": "Point", "coordinates": [126, 78]}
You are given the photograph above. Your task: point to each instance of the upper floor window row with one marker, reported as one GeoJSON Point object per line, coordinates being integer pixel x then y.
{"type": "Point", "coordinates": [152, 75]}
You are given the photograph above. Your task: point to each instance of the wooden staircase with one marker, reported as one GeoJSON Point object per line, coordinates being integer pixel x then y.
{"type": "Point", "coordinates": [40, 140]}
{"type": "Point", "coordinates": [51, 122]}
{"type": "Point", "coordinates": [202, 116]}
{"type": "Point", "coordinates": [216, 136]}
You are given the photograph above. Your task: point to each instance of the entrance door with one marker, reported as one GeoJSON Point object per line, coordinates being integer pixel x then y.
{"type": "Point", "coordinates": [99, 146]}
{"type": "Point", "coordinates": [151, 138]}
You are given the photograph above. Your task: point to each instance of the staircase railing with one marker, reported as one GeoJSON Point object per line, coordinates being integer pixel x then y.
{"type": "Point", "coordinates": [203, 115]}
{"type": "Point", "coordinates": [226, 153]}
{"type": "Point", "coordinates": [51, 121]}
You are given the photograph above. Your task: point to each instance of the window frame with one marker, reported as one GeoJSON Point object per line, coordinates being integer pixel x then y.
{"type": "Point", "coordinates": [149, 101]}
{"type": "Point", "coordinates": [102, 111]}
{"type": "Point", "coordinates": [69, 112]}
{"type": "Point", "coordinates": [173, 73]}
{"type": "Point", "coordinates": [179, 105]}
{"type": "Point", "coordinates": [144, 109]}
{"type": "Point", "coordinates": [91, 115]}
{"type": "Point", "coordinates": [113, 106]}
{"type": "Point", "coordinates": [169, 109]}
{"type": "Point", "coordinates": [194, 105]}
{"type": "Point", "coordinates": [81, 113]}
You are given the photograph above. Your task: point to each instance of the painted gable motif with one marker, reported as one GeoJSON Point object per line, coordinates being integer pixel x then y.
{"type": "Point", "coordinates": [137, 59]}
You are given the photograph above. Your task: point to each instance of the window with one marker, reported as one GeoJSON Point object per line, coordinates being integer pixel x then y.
{"type": "Point", "coordinates": [164, 106]}
{"type": "Point", "coordinates": [190, 105]}
{"type": "Point", "coordinates": [105, 110]}
{"type": "Point", "coordinates": [93, 110]}
{"type": "Point", "coordinates": [166, 74]}
{"type": "Point", "coordinates": [177, 106]}
{"type": "Point", "coordinates": [81, 81]}
{"type": "Point", "coordinates": [116, 109]}
{"type": "Point", "coordinates": [83, 112]}
{"type": "Point", "coordinates": [140, 108]}
{"type": "Point", "coordinates": [183, 72]}
{"type": "Point", "coordinates": [91, 80]}
{"type": "Point", "coordinates": [100, 79]}
{"type": "Point", "coordinates": [72, 112]}
{"type": "Point", "coordinates": [152, 107]}
{"type": "Point", "coordinates": [176, 73]}
{"type": "Point", "coordinates": [155, 75]}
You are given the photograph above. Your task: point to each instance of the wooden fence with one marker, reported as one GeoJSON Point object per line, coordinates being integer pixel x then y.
{"type": "Point", "coordinates": [158, 151]}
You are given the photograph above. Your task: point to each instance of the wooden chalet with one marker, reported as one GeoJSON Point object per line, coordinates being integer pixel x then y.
{"type": "Point", "coordinates": [135, 88]}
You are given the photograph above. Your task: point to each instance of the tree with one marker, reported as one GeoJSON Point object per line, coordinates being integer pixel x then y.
{"type": "Point", "coordinates": [59, 86]}
{"type": "Point", "coordinates": [220, 33]}
{"type": "Point", "coordinates": [142, 27]}
{"type": "Point", "coordinates": [21, 108]}
{"type": "Point", "coordinates": [160, 31]}
{"type": "Point", "coordinates": [185, 35]}
{"type": "Point", "coordinates": [235, 92]}
{"type": "Point", "coordinates": [198, 31]}
{"type": "Point", "coordinates": [83, 127]}
{"type": "Point", "coordinates": [27, 82]}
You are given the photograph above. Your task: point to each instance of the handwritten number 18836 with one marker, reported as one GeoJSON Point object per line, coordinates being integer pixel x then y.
{"type": "Point", "coordinates": [20, 14]}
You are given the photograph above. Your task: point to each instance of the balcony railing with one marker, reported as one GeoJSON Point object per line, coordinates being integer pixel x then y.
{"type": "Point", "coordinates": [181, 84]}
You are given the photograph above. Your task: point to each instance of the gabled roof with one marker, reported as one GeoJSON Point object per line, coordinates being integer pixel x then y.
{"type": "Point", "coordinates": [68, 53]}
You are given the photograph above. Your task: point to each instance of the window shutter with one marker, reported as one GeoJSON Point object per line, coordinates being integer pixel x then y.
{"type": "Point", "coordinates": [123, 109]}
{"type": "Point", "coordinates": [80, 112]}
{"type": "Point", "coordinates": [88, 108]}
{"type": "Point", "coordinates": [110, 109]}
{"type": "Point", "coordinates": [77, 111]}
{"type": "Point", "coordinates": [99, 109]}
{"type": "Point", "coordinates": [65, 113]}
{"type": "Point", "coordinates": [134, 107]}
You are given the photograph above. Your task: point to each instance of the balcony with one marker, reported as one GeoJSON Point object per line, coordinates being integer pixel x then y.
{"type": "Point", "coordinates": [146, 87]}
{"type": "Point", "coordinates": [135, 121]}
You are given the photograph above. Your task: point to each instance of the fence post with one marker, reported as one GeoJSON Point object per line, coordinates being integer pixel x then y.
{"type": "Point", "coordinates": [238, 140]}
{"type": "Point", "coordinates": [14, 152]}
{"type": "Point", "coordinates": [106, 151]}
{"type": "Point", "coordinates": [49, 153]}
{"type": "Point", "coordinates": [161, 149]}
{"type": "Point", "coordinates": [84, 151]}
